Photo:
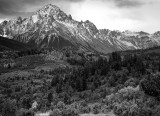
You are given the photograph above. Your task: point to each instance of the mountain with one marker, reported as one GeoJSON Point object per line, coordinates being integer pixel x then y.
{"type": "Point", "coordinates": [9, 44]}
{"type": "Point", "coordinates": [50, 27]}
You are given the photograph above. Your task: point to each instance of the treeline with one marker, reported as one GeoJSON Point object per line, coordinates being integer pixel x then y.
{"type": "Point", "coordinates": [29, 52]}
{"type": "Point", "coordinates": [20, 53]}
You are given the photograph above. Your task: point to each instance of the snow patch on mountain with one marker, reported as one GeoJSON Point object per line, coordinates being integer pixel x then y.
{"type": "Point", "coordinates": [110, 41]}
{"type": "Point", "coordinates": [35, 18]}
{"type": "Point", "coordinates": [128, 44]}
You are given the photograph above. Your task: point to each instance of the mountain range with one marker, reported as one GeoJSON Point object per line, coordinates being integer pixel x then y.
{"type": "Point", "coordinates": [50, 27]}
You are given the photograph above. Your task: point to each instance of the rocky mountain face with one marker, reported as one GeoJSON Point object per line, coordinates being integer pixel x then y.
{"type": "Point", "coordinates": [50, 27]}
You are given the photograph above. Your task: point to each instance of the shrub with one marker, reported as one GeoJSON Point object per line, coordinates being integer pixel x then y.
{"type": "Point", "coordinates": [157, 111]}
{"type": "Point", "coordinates": [151, 85]}
{"type": "Point", "coordinates": [129, 93]}
{"type": "Point", "coordinates": [133, 82]}
{"type": "Point", "coordinates": [118, 87]}
{"type": "Point", "coordinates": [8, 107]}
{"type": "Point", "coordinates": [125, 94]}
{"type": "Point", "coordinates": [26, 102]}
{"type": "Point", "coordinates": [85, 109]}
{"type": "Point", "coordinates": [69, 112]}
{"type": "Point", "coordinates": [24, 112]}
{"type": "Point", "coordinates": [145, 111]}
{"type": "Point", "coordinates": [95, 96]}
{"type": "Point", "coordinates": [96, 108]}
{"type": "Point", "coordinates": [126, 109]}
{"type": "Point", "coordinates": [60, 105]}
{"type": "Point", "coordinates": [55, 112]}
{"type": "Point", "coordinates": [105, 109]}
{"type": "Point", "coordinates": [75, 106]}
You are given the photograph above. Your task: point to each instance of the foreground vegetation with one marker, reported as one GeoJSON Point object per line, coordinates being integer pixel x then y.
{"type": "Point", "coordinates": [78, 83]}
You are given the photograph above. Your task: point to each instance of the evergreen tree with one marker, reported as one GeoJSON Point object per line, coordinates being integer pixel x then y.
{"type": "Point", "coordinates": [151, 85]}
{"type": "Point", "coordinates": [50, 97]}
{"type": "Point", "coordinates": [55, 81]}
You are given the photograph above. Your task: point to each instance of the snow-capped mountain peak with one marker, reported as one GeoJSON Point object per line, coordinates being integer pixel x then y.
{"type": "Point", "coordinates": [51, 11]}
{"type": "Point", "coordinates": [50, 25]}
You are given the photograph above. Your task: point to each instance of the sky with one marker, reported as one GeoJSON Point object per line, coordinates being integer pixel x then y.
{"type": "Point", "coordinates": [133, 15]}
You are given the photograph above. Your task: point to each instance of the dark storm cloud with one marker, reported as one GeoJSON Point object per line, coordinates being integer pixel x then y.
{"type": "Point", "coordinates": [13, 7]}
{"type": "Point", "coordinates": [8, 7]}
{"type": "Point", "coordinates": [128, 3]}
{"type": "Point", "coordinates": [17, 7]}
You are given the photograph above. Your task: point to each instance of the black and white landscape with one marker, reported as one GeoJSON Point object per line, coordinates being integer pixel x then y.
{"type": "Point", "coordinates": [54, 65]}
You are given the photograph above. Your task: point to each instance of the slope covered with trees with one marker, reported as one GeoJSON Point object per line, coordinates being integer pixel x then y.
{"type": "Point", "coordinates": [9, 44]}
{"type": "Point", "coordinates": [125, 84]}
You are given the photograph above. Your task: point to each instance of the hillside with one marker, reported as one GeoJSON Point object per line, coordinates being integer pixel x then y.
{"type": "Point", "coordinates": [9, 44]}
{"type": "Point", "coordinates": [71, 83]}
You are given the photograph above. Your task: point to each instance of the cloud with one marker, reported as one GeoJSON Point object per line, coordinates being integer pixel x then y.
{"type": "Point", "coordinates": [102, 14]}
{"type": "Point", "coordinates": [8, 7]}
{"type": "Point", "coordinates": [1, 20]}
{"type": "Point", "coordinates": [20, 7]}
{"type": "Point", "coordinates": [13, 8]}
{"type": "Point", "coordinates": [132, 3]}
{"type": "Point", "coordinates": [134, 15]}
{"type": "Point", "coordinates": [128, 3]}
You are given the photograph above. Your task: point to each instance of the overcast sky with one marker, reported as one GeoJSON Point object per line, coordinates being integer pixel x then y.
{"type": "Point", "coordinates": [134, 15]}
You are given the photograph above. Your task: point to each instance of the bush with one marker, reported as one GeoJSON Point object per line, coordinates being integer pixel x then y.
{"type": "Point", "coordinates": [26, 102]}
{"type": "Point", "coordinates": [85, 110]}
{"type": "Point", "coordinates": [157, 111]}
{"type": "Point", "coordinates": [60, 105]}
{"type": "Point", "coordinates": [8, 107]}
{"type": "Point", "coordinates": [55, 112]}
{"type": "Point", "coordinates": [96, 108]}
{"type": "Point", "coordinates": [24, 112]}
{"type": "Point", "coordinates": [75, 106]}
{"type": "Point", "coordinates": [126, 109]}
{"type": "Point", "coordinates": [126, 94]}
{"type": "Point", "coordinates": [133, 82]}
{"type": "Point", "coordinates": [69, 112]}
{"type": "Point", "coordinates": [151, 85]}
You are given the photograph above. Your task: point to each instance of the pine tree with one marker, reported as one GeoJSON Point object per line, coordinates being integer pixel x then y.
{"type": "Point", "coordinates": [50, 97]}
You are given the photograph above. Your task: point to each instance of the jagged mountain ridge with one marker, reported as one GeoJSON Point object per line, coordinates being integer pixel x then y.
{"type": "Point", "coordinates": [50, 23]}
